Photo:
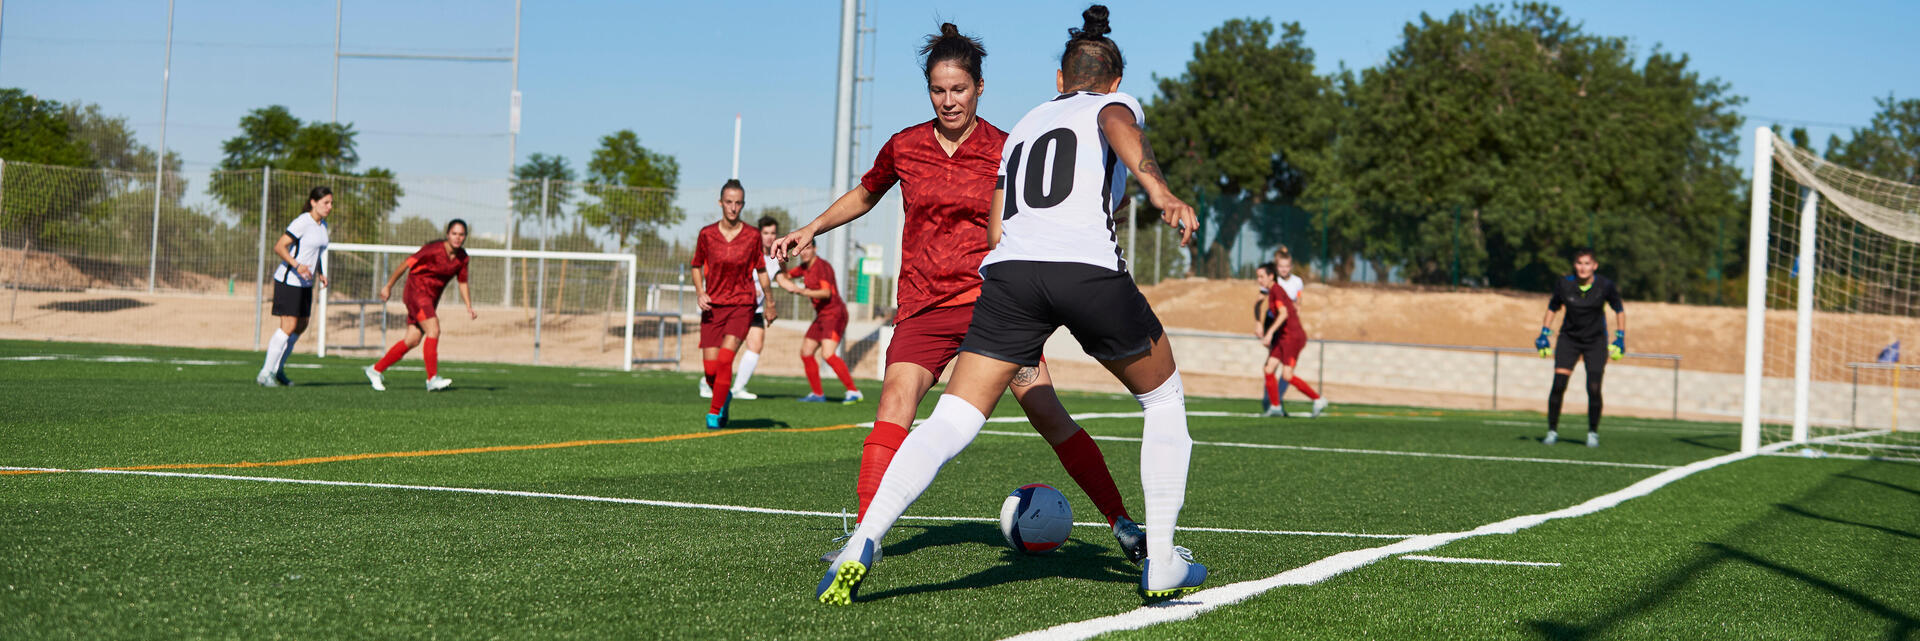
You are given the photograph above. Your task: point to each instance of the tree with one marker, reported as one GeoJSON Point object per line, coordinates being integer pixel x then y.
{"type": "Point", "coordinates": [1244, 126]}
{"type": "Point", "coordinates": [314, 153]}
{"type": "Point", "coordinates": [531, 177]}
{"type": "Point", "coordinates": [632, 187]}
{"type": "Point", "coordinates": [1888, 148]}
{"type": "Point", "coordinates": [111, 143]}
{"type": "Point", "coordinates": [33, 130]}
{"type": "Point", "coordinates": [776, 212]}
{"type": "Point", "coordinates": [48, 205]}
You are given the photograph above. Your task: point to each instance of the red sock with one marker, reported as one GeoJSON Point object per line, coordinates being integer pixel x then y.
{"type": "Point", "coordinates": [813, 373]}
{"type": "Point", "coordinates": [1088, 468]}
{"type": "Point", "coordinates": [875, 454]}
{"type": "Point", "coordinates": [430, 348]}
{"type": "Point", "coordinates": [1304, 388]}
{"type": "Point", "coordinates": [1273, 388]}
{"type": "Point", "coordinates": [706, 367]}
{"type": "Point", "coordinates": [722, 379]}
{"type": "Point", "coordinates": [394, 353]}
{"type": "Point", "coordinates": [840, 370]}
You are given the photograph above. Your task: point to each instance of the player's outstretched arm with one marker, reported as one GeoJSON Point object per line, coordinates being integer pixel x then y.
{"type": "Point", "coordinates": [700, 287]}
{"type": "Point", "coordinates": [386, 291]}
{"type": "Point", "coordinates": [850, 206]}
{"type": "Point", "coordinates": [466, 295]}
{"type": "Point", "coordinates": [1129, 142]}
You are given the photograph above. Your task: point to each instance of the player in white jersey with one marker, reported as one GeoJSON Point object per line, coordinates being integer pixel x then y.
{"type": "Point", "coordinates": [299, 249]}
{"type": "Point", "coordinates": [1055, 263]}
{"type": "Point", "coordinates": [757, 330]}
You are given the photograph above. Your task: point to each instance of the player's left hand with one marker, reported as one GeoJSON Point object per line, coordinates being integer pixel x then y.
{"type": "Point", "coordinates": [1543, 344]}
{"type": "Point", "coordinates": [770, 314]}
{"type": "Point", "coordinates": [324, 282]}
{"type": "Point", "coordinates": [471, 315]}
{"type": "Point", "coordinates": [1618, 349]}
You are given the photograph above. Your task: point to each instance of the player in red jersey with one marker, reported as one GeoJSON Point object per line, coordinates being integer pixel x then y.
{"type": "Point", "coordinates": [946, 168]}
{"type": "Point", "coordinates": [829, 323]}
{"type": "Point", "coordinates": [727, 261]}
{"type": "Point", "coordinates": [1288, 336]}
{"type": "Point", "coordinates": [428, 271]}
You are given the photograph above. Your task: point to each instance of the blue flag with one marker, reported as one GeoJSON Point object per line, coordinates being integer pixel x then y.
{"type": "Point", "coordinates": [1890, 355]}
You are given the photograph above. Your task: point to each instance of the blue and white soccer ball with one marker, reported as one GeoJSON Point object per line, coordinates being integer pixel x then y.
{"type": "Point", "coordinates": [1035, 519]}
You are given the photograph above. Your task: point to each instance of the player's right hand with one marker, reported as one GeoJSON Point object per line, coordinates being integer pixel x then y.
{"type": "Point", "coordinates": [386, 292]}
{"type": "Point", "coordinates": [790, 245]}
{"type": "Point", "coordinates": [705, 301]}
{"type": "Point", "coordinates": [1545, 346]}
{"type": "Point", "coordinates": [1178, 214]}
{"type": "Point", "coordinates": [305, 272]}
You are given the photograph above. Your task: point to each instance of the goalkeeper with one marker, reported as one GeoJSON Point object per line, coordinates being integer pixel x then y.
{"type": "Point", "coordinates": [1583, 335]}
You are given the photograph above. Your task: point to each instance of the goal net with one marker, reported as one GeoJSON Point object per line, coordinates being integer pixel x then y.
{"type": "Point", "coordinates": [567, 308]}
{"type": "Point", "coordinates": [1833, 309]}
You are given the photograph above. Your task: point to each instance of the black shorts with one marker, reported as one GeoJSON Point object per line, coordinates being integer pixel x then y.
{"type": "Point", "coordinates": [289, 300]}
{"type": "Point", "coordinates": [1567, 352]}
{"type": "Point", "coordinates": [1022, 302]}
{"type": "Point", "coordinates": [759, 320]}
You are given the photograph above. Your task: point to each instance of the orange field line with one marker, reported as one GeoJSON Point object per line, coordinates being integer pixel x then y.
{"type": "Point", "coordinates": [465, 450]}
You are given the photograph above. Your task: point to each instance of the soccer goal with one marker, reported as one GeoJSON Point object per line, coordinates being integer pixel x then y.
{"type": "Point", "coordinates": [1833, 293]}
{"type": "Point", "coordinates": [568, 308]}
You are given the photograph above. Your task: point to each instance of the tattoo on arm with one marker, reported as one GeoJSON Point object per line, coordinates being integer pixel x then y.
{"type": "Point", "coordinates": [1025, 376]}
{"type": "Point", "coordinates": [1148, 166]}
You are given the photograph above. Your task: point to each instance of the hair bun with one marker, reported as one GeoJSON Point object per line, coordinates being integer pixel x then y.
{"type": "Point", "coordinates": [1095, 22]}
{"type": "Point", "coordinates": [948, 30]}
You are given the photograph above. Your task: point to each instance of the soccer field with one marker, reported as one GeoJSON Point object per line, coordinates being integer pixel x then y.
{"type": "Point", "coordinates": [158, 493]}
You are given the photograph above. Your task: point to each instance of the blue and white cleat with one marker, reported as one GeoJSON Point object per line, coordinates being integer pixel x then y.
{"type": "Point", "coordinates": [726, 410]}
{"type": "Point", "coordinates": [1593, 439]}
{"type": "Point", "coordinates": [714, 422]}
{"type": "Point", "coordinates": [1133, 542]}
{"type": "Point", "coordinates": [813, 398]}
{"type": "Point", "coordinates": [852, 397]}
{"type": "Point", "coordinates": [266, 379]}
{"type": "Point", "coordinates": [1196, 575]}
{"type": "Point", "coordinates": [280, 376]}
{"type": "Point", "coordinates": [843, 578]}
{"type": "Point", "coordinates": [1552, 437]}
{"type": "Point", "coordinates": [1319, 406]}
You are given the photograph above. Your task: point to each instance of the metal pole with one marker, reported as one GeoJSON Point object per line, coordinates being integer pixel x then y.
{"type": "Point", "coordinates": [1676, 389]}
{"type": "Point", "coordinates": [540, 289]}
{"type": "Point", "coordinates": [1807, 272]}
{"type": "Point", "coordinates": [626, 353]}
{"type": "Point", "coordinates": [334, 116]}
{"type": "Point", "coordinates": [736, 147]}
{"type": "Point", "coordinates": [160, 159]}
{"type": "Point", "coordinates": [1496, 380]}
{"type": "Point", "coordinates": [260, 268]}
{"type": "Point", "coordinates": [1762, 193]}
{"type": "Point", "coordinates": [1853, 415]}
{"type": "Point", "coordinates": [1158, 269]}
{"type": "Point", "coordinates": [513, 139]}
{"type": "Point", "coordinates": [1323, 365]}
{"type": "Point", "coordinates": [843, 127]}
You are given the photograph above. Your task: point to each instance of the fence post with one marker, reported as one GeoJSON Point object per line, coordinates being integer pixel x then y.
{"type": "Point", "coordinates": [1158, 269]}
{"type": "Point", "coordinates": [626, 354]}
{"type": "Point", "coordinates": [260, 269]}
{"type": "Point", "coordinates": [1496, 380]}
{"type": "Point", "coordinates": [540, 289]}
{"type": "Point", "coordinates": [506, 273]}
{"type": "Point", "coordinates": [1676, 389]}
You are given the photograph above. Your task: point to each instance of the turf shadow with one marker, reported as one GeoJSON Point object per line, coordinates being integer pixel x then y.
{"type": "Point", "coordinates": [1877, 528]}
{"type": "Point", "coordinates": [1702, 442]}
{"type": "Point", "coordinates": [94, 305]}
{"type": "Point", "coordinates": [756, 424]}
{"type": "Point", "coordinates": [1075, 560]}
{"type": "Point", "coordinates": [1884, 484]}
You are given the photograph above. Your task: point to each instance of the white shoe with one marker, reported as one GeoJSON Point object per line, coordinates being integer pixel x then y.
{"type": "Point", "coordinates": [438, 383]}
{"type": "Point", "coordinates": [853, 396]}
{"type": "Point", "coordinates": [741, 393]}
{"type": "Point", "coordinates": [374, 376]}
{"type": "Point", "coordinates": [265, 379]}
{"type": "Point", "coordinates": [1593, 439]}
{"type": "Point", "coordinates": [1552, 437]}
{"type": "Point", "coordinates": [706, 390]}
{"type": "Point", "coordinates": [1277, 411]}
{"type": "Point", "coordinates": [1319, 406]}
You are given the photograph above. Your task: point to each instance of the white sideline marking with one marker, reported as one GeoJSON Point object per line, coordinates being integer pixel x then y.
{"type": "Point", "coordinates": [1329, 567]}
{"type": "Point", "coordinates": [648, 502]}
{"type": "Point", "coordinates": [1452, 559]}
{"type": "Point", "coordinates": [1344, 450]}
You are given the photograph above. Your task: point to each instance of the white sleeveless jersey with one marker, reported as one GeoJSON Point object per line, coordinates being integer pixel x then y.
{"type": "Point", "coordinates": [1063, 182]}
{"type": "Point", "coordinates": [309, 241]}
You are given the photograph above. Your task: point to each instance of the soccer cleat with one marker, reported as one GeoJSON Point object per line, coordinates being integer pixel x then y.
{"type": "Point", "coordinates": [265, 379]}
{"type": "Point", "coordinates": [726, 410]}
{"type": "Point", "coordinates": [1276, 411]}
{"type": "Point", "coordinates": [281, 378]}
{"type": "Point", "coordinates": [830, 556]}
{"type": "Point", "coordinates": [706, 389]}
{"type": "Point", "coordinates": [1593, 439]}
{"type": "Point", "coordinates": [1133, 542]}
{"type": "Point", "coordinates": [1189, 584]}
{"type": "Point", "coordinates": [843, 578]}
{"type": "Point", "coordinates": [1552, 437]}
{"type": "Point", "coordinates": [744, 394]}
{"type": "Point", "coordinates": [438, 383]}
{"type": "Point", "coordinates": [713, 421]}
{"type": "Point", "coordinates": [813, 398]}
{"type": "Point", "coordinates": [1319, 406]}
{"type": "Point", "coordinates": [374, 376]}
{"type": "Point", "coordinates": [853, 396]}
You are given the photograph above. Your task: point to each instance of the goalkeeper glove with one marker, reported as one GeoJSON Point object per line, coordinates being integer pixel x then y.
{"type": "Point", "coordinates": [1543, 344]}
{"type": "Point", "coordinates": [1619, 346]}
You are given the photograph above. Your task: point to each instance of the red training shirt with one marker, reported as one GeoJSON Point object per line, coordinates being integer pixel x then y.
{"type": "Point", "coordinates": [816, 275]}
{"type": "Point", "coordinates": [729, 264]}
{"type": "Point", "coordinates": [1276, 298]}
{"type": "Point", "coordinates": [946, 200]}
{"type": "Point", "coordinates": [432, 267]}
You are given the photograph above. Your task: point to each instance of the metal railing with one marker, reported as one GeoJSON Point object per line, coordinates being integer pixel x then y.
{"type": "Point", "coordinates": [1853, 415]}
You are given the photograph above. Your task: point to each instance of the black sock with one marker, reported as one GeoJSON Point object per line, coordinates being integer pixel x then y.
{"type": "Point", "coordinates": [1554, 398]}
{"type": "Point", "coordinates": [1593, 403]}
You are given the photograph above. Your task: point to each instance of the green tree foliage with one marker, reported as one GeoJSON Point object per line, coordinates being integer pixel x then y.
{"type": "Point", "coordinates": [632, 188]}
{"type": "Point", "coordinates": [303, 155]}
{"type": "Point", "coordinates": [1888, 148]}
{"type": "Point", "coordinates": [1244, 126]}
{"type": "Point", "coordinates": [35, 130]}
{"type": "Point", "coordinates": [111, 143]}
{"type": "Point", "coordinates": [776, 212]}
{"type": "Point", "coordinates": [530, 176]}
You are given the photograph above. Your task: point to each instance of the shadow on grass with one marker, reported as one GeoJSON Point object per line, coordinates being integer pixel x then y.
{"type": "Point", "coordinates": [94, 305]}
{"type": "Point", "coordinates": [756, 424]}
{"type": "Point", "coordinates": [1884, 484]}
{"type": "Point", "coordinates": [1732, 442]}
{"type": "Point", "coordinates": [1075, 560]}
{"type": "Point", "coordinates": [1877, 528]}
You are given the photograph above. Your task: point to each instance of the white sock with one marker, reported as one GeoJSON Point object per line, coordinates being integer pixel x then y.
{"type": "Point", "coordinates": [748, 360]}
{"type": "Point", "coordinates": [952, 426]}
{"type": "Point", "coordinates": [291, 340]}
{"type": "Point", "coordinates": [1165, 451]}
{"type": "Point", "coordinates": [276, 353]}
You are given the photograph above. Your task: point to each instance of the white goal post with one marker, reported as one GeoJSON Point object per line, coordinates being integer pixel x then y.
{"type": "Point", "coordinates": [597, 280]}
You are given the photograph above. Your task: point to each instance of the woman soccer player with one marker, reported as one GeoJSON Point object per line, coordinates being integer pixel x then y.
{"type": "Point", "coordinates": [1263, 317]}
{"type": "Point", "coordinates": [829, 323]}
{"type": "Point", "coordinates": [299, 250]}
{"type": "Point", "coordinates": [756, 330]}
{"type": "Point", "coordinates": [1055, 261]}
{"type": "Point", "coordinates": [946, 168]}
{"type": "Point", "coordinates": [1583, 335]}
{"type": "Point", "coordinates": [427, 273]}
{"type": "Point", "coordinates": [1288, 336]}
{"type": "Point", "coordinates": [726, 258]}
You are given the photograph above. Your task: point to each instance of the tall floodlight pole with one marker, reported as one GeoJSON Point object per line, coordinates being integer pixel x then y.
{"type": "Point", "coordinates": [843, 126]}
{"type": "Point", "coordinates": [160, 159]}
{"type": "Point", "coordinates": [513, 139]}
{"type": "Point", "coordinates": [736, 147]}
{"type": "Point", "coordinates": [334, 115]}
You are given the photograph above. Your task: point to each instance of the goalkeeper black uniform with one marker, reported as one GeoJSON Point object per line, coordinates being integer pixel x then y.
{"type": "Point", "coordinates": [1583, 337]}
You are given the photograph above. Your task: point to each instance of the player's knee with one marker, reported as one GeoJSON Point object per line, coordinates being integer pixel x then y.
{"type": "Point", "coordinates": [1560, 383]}
{"type": "Point", "coordinates": [1593, 387]}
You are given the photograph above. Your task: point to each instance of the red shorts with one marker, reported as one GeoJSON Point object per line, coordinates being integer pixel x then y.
{"type": "Point", "coordinates": [930, 338]}
{"type": "Point", "coordinates": [828, 328]}
{"type": "Point", "coordinates": [723, 321]}
{"type": "Point", "coordinates": [1287, 347]}
{"type": "Point", "coordinates": [420, 305]}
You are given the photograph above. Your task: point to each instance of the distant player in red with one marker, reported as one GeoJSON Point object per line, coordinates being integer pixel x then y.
{"type": "Point", "coordinates": [428, 272]}
{"type": "Point", "coordinates": [946, 168]}
{"type": "Point", "coordinates": [1288, 337]}
{"type": "Point", "coordinates": [829, 323]}
{"type": "Point", "coordinates": [727, 261]}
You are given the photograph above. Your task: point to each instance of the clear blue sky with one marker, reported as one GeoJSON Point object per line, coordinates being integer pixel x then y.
{"type": "Point", "coordinates": [676, 73]}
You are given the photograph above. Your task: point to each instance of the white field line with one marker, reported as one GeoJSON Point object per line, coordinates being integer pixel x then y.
{"type": "Point", "coordinates": [1451, 559]}
{"type": "Point", "coordinates": [1343, 450]}
{"type": "Point", "coordinates": [1329, 567]}
{"type": "Point", "coordinates": [647, 502]}
{"type": "Point", "coordinates": [1630, 428]}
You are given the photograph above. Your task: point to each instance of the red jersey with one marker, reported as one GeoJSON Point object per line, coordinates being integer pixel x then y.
{"type": "Point", "coordinates": [729, 264]}
{"type": "Point", "coordinates": [432, 267]}
{"type": "Point", "coordinates": [816, 275]}
{"type": "Point", "coordinates": [1276, 298]}
{"type": "Point", "coordinates": [946, 200]}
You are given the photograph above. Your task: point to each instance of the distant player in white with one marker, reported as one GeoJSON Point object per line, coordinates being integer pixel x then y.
{"type": "Point", "coordinates": [1055, 262]}
{"type": "Point", "coordinates": [757, 330]}
{"type": "Point", "coordinates": [299, 250]}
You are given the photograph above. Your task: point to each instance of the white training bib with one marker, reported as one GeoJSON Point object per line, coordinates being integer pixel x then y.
{"type": "Point", "coordinates": [759, 296]}
{"type": "Point", "coordinates": [1292, 284]}
{"type": "Point", "coordinates": [1063, 182]}
{"type": "Point", "coordinates": [309, 240]}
